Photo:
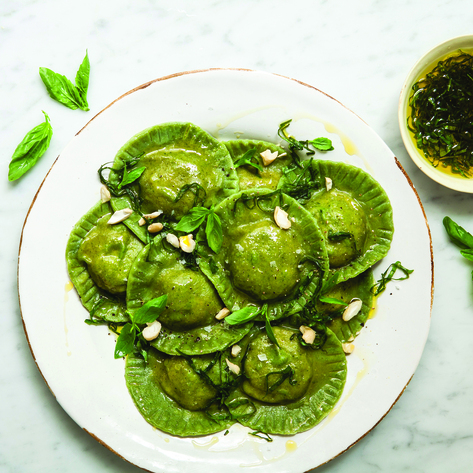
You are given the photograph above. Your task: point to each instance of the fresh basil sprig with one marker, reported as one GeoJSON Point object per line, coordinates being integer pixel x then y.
{"type": "Point", "coordinates": [31, 148]}
{"type": "Point", "coordinates": [213, 230]}
{"type": "Point", "coordinates": [60, 88]}
{"type": "Point", "coordinates": [131, 338]}
{"type": "Point", "coordinates": [388, 275]}
{"type": "Point", "coordinates": [461, 238]}
{"type": "Point", "coordinates": [130, 176]}
{"type": "Point", "coordinates": [248, 160]}
{"type": "Point", "coordinates": [249, 313]}
{"type": "Point", "coordinates": [320, 144]}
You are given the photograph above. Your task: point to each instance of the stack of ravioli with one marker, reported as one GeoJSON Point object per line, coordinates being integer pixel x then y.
{"type": "Point", "coordinates": [203, 374]}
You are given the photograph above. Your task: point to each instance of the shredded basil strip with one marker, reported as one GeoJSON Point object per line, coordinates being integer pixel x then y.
{"type": "Point", "coordinates": [388, 275]}
{"type": "Point", "coordinates": [286, 373]}
{"type": "Point", "coordinates": [60, 88]}
{"type": "Point", "coordinates": [32, 147]}
{"type": "Point", "coordinates": [261, 435]}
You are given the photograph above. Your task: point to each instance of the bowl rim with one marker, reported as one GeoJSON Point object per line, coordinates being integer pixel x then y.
{"type": "Point", "coordinates": [452, 182]}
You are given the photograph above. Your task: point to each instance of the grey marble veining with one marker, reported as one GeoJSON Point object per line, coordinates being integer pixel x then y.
{"type": "Point", "coordinates": [360, 53]}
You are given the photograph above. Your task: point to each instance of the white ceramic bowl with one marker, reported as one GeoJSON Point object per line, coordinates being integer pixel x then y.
{"type": "Point", "coordinates": [430, 58]}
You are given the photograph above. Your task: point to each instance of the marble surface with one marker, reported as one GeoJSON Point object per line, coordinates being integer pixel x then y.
{"type": "Point", "coordinates": [359, 52]}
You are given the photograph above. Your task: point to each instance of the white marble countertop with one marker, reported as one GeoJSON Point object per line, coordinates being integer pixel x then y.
{"type": "Point", "coordinates": [358, 52]}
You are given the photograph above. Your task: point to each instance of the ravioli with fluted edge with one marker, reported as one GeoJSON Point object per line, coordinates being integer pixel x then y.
{"type": "Point", "coordinates": [290, 388]}
{"type": "Point", "coordinates": [99, 258]}
{"type": "Point", "coordinates": [236, 275]}
{"type": "Point", "coordinates": [269, 174]}
{"type": "Point", "coordinates": [175, 155]}
{"type": "Point", "coordinates": [353, 212]}
{"type": "Point", "coordinates": [172, 397]}
{"type": "Point", "coordinates": [188, 323]}
{"type": "Point", "coordinates": [251, 269]}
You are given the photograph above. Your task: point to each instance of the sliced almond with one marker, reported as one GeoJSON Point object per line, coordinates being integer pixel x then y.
{"type": "Point", "coordinates": [236, 349]}
{"type": "Point", "coordinates": [232, 367]}
{"type": "Point", "coordinates": [141, 222]}
{"type": "Point", "coordinates": [152, 331]}
{"type": "Point", "coordinates": [119, 216]}
{"type": "Point", "coordinates": [281, 218]}
{"type": "Point", "coordinates": [173, 240]}
{"type": "Point", "coordinates": [328, 183]}
{"type": "Point", "coordinates": [348, 348]}
{"type": "Point", "coordinates": [105, 195]}
{"type": "Point", "coordinates": [153, 215]}
{"type": "Point", "coordinates": [352, 309]}
{"type": "Point", "coordinates": [268, 157]}
{"type": "Point", "coordinates": [308, 335]}
{"type": "Point", "coordinates": [187, 243]}
{"type": "Point", "coordinates": [222, 314]}
{"type": "Point", "coordinates": [155, 227]}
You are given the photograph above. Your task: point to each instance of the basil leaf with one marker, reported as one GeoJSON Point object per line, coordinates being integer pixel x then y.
{"type": "Point", "coordinates": [269, 329]}
{"type": "Point", "coordinates": [247, 159]}
{"type": "Point", "coordinates": [31, 148]}
{"type": "Point", "coordinates": [329, 283]}
{"type": "Point", "coordinates": [126, 341]}
{"type": "Point", "coordinates": [243, 315]}
{"type": "Point", "coordinates": [150, 311]}
{"type": "Point", "coordinates": [458, 234]}
{"type": "Point", "coordinates": [468, 254]}
{"type": "Point", "coordinates": [213, 231]}
{"type": "Point", "coordinates": [332, 300]}
{"type": "Point", "coordinates": [192, 220]}
{"type": "Point", "coordinates": [82, 77]}
{"type": "Point", "coordinates": [322, 144]}
{"type": "Point", "coordinates": [60, 88]}
{"type": "Point", "coordinates": [129, 177]}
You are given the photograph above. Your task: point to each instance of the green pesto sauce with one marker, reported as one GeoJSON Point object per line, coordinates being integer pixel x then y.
{"type": "Point", "coordinates": [336, 211]}
{"type": "Point", "coordinates": [170, 168]}
{"type": "Point", "coordinates": [109, 251]}
{"type": "Point", "coordinates": [256, 367]}
{"type": "Point", "coordinates": [192, 300]}
{"type": "Point", "coordinates": [258, 266]}
{"type": "Point", "coordinates": [180, 382]}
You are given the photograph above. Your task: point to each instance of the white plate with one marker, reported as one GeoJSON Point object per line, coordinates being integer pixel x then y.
{"type": "Point", "coordinates": [76, 360]}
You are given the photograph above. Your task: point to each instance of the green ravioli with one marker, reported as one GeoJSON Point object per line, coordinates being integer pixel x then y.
{"type": "Point", "coordinates": [261, 263]}
{"type": "Point", "coordinates": [188, 322]}
{"type": "Point", "coordinates": [355, 216]}
{"type": "Point", "coordinates": [249, 176]}
{"type": "Point", "coordinates": [175, 155]}
{"type": "Point", "coordinates": [99, 257]}
{"type": "Point", "coordinates": [171, 396]}
{"type": "Point", "coordinates": [289, 389]}
{"type": "Point", "coordinates": [358, 287]}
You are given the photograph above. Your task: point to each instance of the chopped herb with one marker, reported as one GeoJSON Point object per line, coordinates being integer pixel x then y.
{"type": "Point", "coordinates": [248, 159]}
{"type": "Point", "coordinates": [261, 435]}
{"type": "Point", "coordinates": [119, 185]}
{"type": "Point", "coordinates": [60, 88]}
{"type": "Point", "coordinates": [199, 194]}
{"type": "Point", "coordinates": [31, 148]}
{"type": "Point", "coordinates": [305, 182]}
{"type": "Point", "coordinates": [286, 373]}
{"type": "Point", "coordinates": [388, 275]}
{"type": "Point", "coordinates": [339, 236]}
{"type": "Point", "coordinates": [442, 114]}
